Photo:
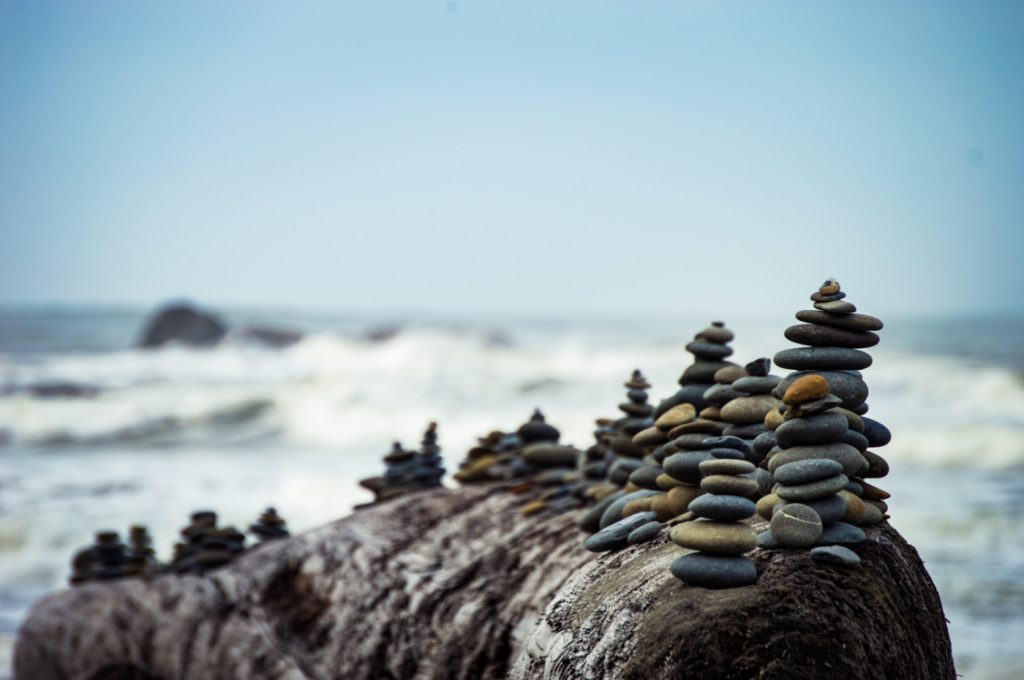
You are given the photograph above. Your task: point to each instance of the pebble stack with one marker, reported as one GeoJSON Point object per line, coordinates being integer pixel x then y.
{"type": "Point", "coordinates": [752, 401]}
{"type": "Point", "coordinates": [638, 416]}
{"type": "Point", "coordinates": [811, 468]}
{"type": "Point", "coordinates": [496, 446]}
{"type": "Point", "coordinates": [407, 470]}
{"type": "Point", "coordinates": [205, 545]}
{"type": "Point", "coordinates": [709, 348]}
{"type": "Point", "coordinates": [834, 336]}
{"type": "Point", "coordinates": [270, 526]}
{"type": "Point", "coordinates": [718, 535]}
{"type": "Point", "coordinates": [141, 555]}
{"type": "Point", "coordinates": [107, 558]}
{"type": "Point", "coordinates": [429, 468]}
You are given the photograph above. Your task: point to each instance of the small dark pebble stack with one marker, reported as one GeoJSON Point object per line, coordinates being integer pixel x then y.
{"type": "Point", "coordinates": [205, 545]}
{"type": "Point", "coordinates": [710, 348]}
{"type": "Point", "coordinates": [407, 470]}
{"type": "Point", "coordinates": [270, 526]}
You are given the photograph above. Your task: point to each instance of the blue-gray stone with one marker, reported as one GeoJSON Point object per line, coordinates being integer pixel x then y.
{"type": "Point", "coordinates": [756, 384]}
{"type": "Point", "coordinates": [829, 509]}
{"type": "Point", "coordinates": [645, 476]}
{"type": "Point", "coordinates": [766, 541]}
{"type": "Point", "coordinates": [822, 358]}
{"type": "Point", "coordinates": [810, 470]}
{"type": "Point", "coordinates": [616, 535]}
{"type": "Point", "coordinates": [835, 554]}
{"type": "Point", "coordinates": [622, 468]}
{"type": "Point", "coordinates": [841, 533]}
{"type": "Point", "coordinates": [763, 443]}
{"type": "Point", "coordinates": [854, 487]}
{"type": "Point", "coordinates": [764, 480]}
{"type": "Point", "coordinates": [876, 433]}
{"type": "Point", "coordinates": [821, 428]}
{"type": "Point", "coordinates": [811, 491]}
{"type": "Point", "coordinates": [733, 454]}
{"type": "Point", "coordinates": [748, 431]}
{"type": "Point", "coordinates": [591, 519]}
{"type": "Point", "coordinates": [645, 533]}
{"type": "Point", "coordinates": [726, 443]}
{"type": "Point", "coordinates": [721, 394]}
{"type": "Point", "coordinates": [714, 571]}
{"type": "Point", "coordinates": [614, 512]}
{"type": "Point", "coordinates": [726, 508]}
{"type": "Point", "coordinates": [854, 439]}
{"type": "Point", "coordinates": [684, 465]}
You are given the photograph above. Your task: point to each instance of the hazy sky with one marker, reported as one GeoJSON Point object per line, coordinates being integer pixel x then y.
{"type": "Point", "coordinates": [548, 157]}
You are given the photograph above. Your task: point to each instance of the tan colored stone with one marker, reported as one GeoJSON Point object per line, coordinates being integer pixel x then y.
{"type": "Point", "coordinates": [661, 507]}
{"type": "Point", "coordinates": [719, 538]}
{"type": "Point", "coordinates": [773, 419]}
{"type": "Point", "coordinates": [666, 482]}
{"type": "Point", "coordinates": [806, 388]}
{"type": "Point", "coordinates": [638, 505]}
{"type": "Point", "coordinates": [749, 410]}
{"type": "Point", "coordinates": [677, 415]}
{"type": "Point", "coordinates": [534, 507]}
{"type": "Point", "coordinates": [680, 497]}
{"type": "Point", "coordinates": [766, 505]}
{"type": "Point", "coordinates": [650, 437]}
{"type": "Point", "coordinates": [854, 507]}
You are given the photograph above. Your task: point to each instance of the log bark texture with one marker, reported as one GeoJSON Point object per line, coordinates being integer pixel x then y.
{"type": "Point", "coordinates": [459, 584]}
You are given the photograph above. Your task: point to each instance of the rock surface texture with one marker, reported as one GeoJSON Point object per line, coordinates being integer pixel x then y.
{"type": "Point", "coordinates": [460, 584]}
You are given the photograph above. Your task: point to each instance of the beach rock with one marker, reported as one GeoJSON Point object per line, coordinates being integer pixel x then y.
{"type": "Point", "coordinates": [724, 508]}
{"type": "Point", "coordinates": [796, 526]}
{"type": "Point", "coordinates": [876, 433]}
{"type": "Point", "coordinates": [725, 466]}
{"type": "Point", "coordinates": [645, 533]}
{"type": "Point", "coordinates": [729, 485]}
{"type": "Point", "coordinates": [803, 471]}
{"type": "Point", "coordinates": [851, 389]}
{"type": "Point", "coordinates": [856, 322]}
{"type": "Point", "coordinates": [680, 497]}
{"type": "Point", "coordinates": [182, 324]}
{"type": "Point", "coordinates": [717, 538]}
{"type": "Point", "coordinates": [616, 536]}
{"type": "Point", "coordinates": [824, 358]}
{"type": "Point", "coordinates": [831, 508]}
{"type": "Point", "coordinates": [811, 491]}
{"type": "Point", "coordinates": [835, 554]}
{"type": "Point", "coordinates": [677, 415]}
{"type": "Point", "coordinates": [806, 388]}
{"type": "Point", "coordinates": [850, 458]}
{"type": "Point", "coordinates": [836, 307]}
{"type": "Point", "coordinates": [756, 384]}
{"type": "Point", "coordinates": [820, 428]}
{"type": "Point", "coordinates": [830, 336]}
{"type": "Point", "coordinates": [714, 571]}
{"type": "Point", "coordinates": [750, 409]}
{"type": "Point", "coordinates": [841, 533]}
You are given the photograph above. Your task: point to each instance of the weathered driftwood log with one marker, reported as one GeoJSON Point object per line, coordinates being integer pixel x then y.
{"type": "Point", "coordinates": [459, 584]}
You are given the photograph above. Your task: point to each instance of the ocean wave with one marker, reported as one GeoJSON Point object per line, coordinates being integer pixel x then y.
{"type": "Point", "coordinates": [336, 391]}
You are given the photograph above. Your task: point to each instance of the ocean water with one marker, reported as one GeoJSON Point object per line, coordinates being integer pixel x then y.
{"type": "Point", "coordinates": [153, 435]}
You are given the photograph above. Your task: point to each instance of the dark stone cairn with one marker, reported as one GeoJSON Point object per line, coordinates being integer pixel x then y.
{"type": "Point", "coordinates": [406, 470]}
{"type": "Point", "coordinates": [709, 348]}
{"type": "Point", "coordinates": [269, 526]}
{"type": "Point", "coordinates": [834, 336]}
{"type": "Point", "coordinates": [107, 558]}
{"type": "Point", "coordinates": [205, 545]}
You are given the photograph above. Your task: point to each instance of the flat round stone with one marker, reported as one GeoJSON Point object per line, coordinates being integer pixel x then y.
{"type": "Point", "coordinates": [721, 394]}
{"type": "Point", "coordinates": [759, 384]}
{"type": "Point", "coordinates": [716, 538]}
{"type": "Point", "coordinates": [725, 466]}
{"type": "Point", "coordinates": [796, 526]}
{"type": "Point", "coordinates": [614, 511]}
{"type": "Point", "coordinates": [749, 409]}
{"type": "Point", "coordinates": [836, 307]}
{"type": "Point", "coordinates": [804, 389]}
{"type": "Point", "coordinates": [766, 505]}
{"type": "Point", "coordinates": [848, 387]}
{"type": "Point", "coordinates": [730, 485]}
{"type": "Point", "coordinates": [616, 535]}
{"type": "Point", "coordinates": [590, 520]}
{"type": "Point", "coordinates": [829, 336]}
{"type": "Point", "coordinates": [678, 498]}
{"type": "Point", "coordinates": [647, 477]}
{"type": "Point", "coordinates": [719, 333]}
{"type": "Point", "coordinates": [854, 421]}
{"type": "Point", "coordinates": [550, 455]}
{"type": "Point", "coordinates": [677, 415]}
{"type": "Point", "coordinates": [764, 480]}
{"type": "Point", "coordinates": [835, 554]}
{"type": "Point", "coordinates": [644, 533]}
{"type": "Point", "coordinates": [803, 471]}
{"type": "Point", "coordinates": [709, 350]}
{"type": "Point", "coordinates": [748, 431]}
{"type": "Point", "coordinates": [841, 533]}
{"type": "Point", "coordinates": [684, 465]}
{"type": "Point", "coordinates": [854, 439]}
{"type": "Point", "coordinates": [820, 428]}
{"type": "Point", "coordinates": [763, 443]}
{"type": "Point", "coordinates": [811, 491]}
{"type": "Point", "coordinates": [851, 460]}
{"type": "Point", "coordinates": [729, 374]}
{"type": "Point", "coordinates": [877, 466]}
{"type": "Point", "coordinates": [703, 372]}
{"type": "Point", "coordinates": [652, 436]}
{"type": "Point", "coordinates": [876, 433]}
{"type": "Point", "coordinates": [726, 443]}
{"type": "Point", "coordinates": [830, 508]}
{"type": "Point", "coordinates": [699, 426]}
{"type": "Point", "coordinates": [822, 358]}
{"type": "Point", "coordinates": [714, 571]}
{"type": "Point", "coordinates": [724, 508]}
{"type": "Point", "coordinates": [857, 322]}
{"type": "Point", "coordinates": [765, 540]}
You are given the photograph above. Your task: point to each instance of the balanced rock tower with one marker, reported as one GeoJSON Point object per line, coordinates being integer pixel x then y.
{"type": "Point", "coordinates": [710, 348]}
{"type": "Point", "coordinates": [205, 545]}
{"type": "Point", "coordinates": [812, 471]}
{"type": "Point", "coordinates": [834, 335]}
{"type": "Point", "coordinates": [107, 558]}
{"type": "Point", "coordinates": [719, 536]}
{"type": "Point", "coordinates": [269, 526]}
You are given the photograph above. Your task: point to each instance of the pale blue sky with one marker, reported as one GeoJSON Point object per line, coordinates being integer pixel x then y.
{"type": "Point", "coordinates": [589, 157]}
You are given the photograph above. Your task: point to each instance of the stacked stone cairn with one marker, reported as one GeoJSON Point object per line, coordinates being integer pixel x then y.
{"type": "Point", "coordinates": [407, 470]}
{"type": "Point", "coordinates": [107, 558]}
{"type": "Point", "coordinates": [269, 527]}
{"type": "Point", "coordinates": [490, 450]}
{"type": "Point", "coordinates": [718, 535]}
{"type": "Point", "coordinates": [812, 467]}
{"type": "Point", "coordinates": [141, 555]}
{"type": "Point", "coordinates": [834, 335]}
{"type": "Point", "coordinates": [552, 465]}
{"type": "Point", "coordinates": [205, 545]}
{"type": "Point", "coordinates": [710, 348]}
{"type": "Point", "coordinates": [594, 463]}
